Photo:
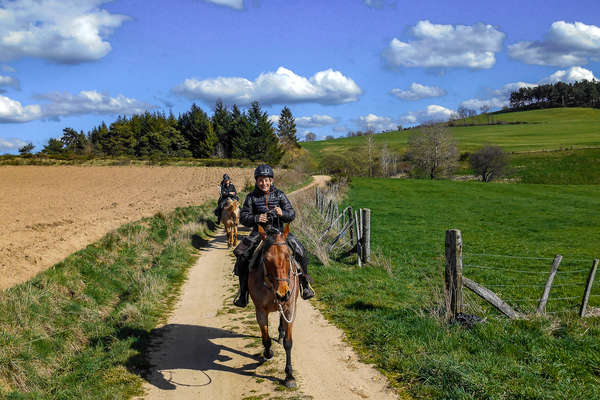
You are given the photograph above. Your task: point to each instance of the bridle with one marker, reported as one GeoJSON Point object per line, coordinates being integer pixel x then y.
{"type": "Point", "coordinates": [274, 278]}
{"type": "Point", "coordinates": [292, 274]}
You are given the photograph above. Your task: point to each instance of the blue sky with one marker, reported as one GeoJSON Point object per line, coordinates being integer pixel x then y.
{"type": "Point", "coordinates": [339, 65]}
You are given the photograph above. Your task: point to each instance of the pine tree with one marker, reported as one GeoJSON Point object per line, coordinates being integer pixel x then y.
{"type": "Point", "coordinates": [241, 134]}
{"type": "Point", "coordinates": [197, 128]}
{"type": "Point", "coordinates": [222, 120]}
{"type": "Point", "coordinates": [265, 142]}
{"type": "Point", "coordinates": [286, 129]}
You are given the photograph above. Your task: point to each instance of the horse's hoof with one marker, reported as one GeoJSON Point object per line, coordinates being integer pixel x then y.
{"type": "Point", "coordinates": [290, 383]}
{"type": "Point", "coordinates": [268, 354]}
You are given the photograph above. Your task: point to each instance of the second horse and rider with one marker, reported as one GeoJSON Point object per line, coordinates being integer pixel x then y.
{"type": "Point", "coordinates": [265, 205]}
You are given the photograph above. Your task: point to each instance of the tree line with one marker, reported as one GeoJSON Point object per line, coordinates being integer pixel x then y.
{"type": "Point", "coordinates": [579, 94]}
{"type": "Point", "coordinates": [228, 133]}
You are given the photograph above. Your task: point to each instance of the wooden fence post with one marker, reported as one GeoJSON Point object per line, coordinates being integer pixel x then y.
{"type": "Point", "coordinates": [351, 218]}
{"type": "Point", "coordinates": [316, 196]}
{"type": "Point", "coordinates": [358, 239]}
{"type": "Point", "coordinates": [544, 299]}
{"type": "Point", "coordinates": [366, 235]}
{"type": "Point", "coordinates": [588, 288]}
{"type": "Point", "coordinates": [454, 270]}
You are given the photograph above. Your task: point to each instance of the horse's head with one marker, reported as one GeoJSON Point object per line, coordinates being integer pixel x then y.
{"type": "Point", "coordinates": [277, 262]}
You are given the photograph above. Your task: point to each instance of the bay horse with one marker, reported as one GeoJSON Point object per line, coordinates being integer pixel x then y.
{"type": "Point", "coordinates": [230, 215]}
{"type": "Point", "coordinates": [273, 286]}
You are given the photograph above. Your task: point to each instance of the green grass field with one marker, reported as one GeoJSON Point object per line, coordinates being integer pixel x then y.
{"type": "Point", "coordinates": [549, 129]}
{"type": "Point", "coordinates": [396, 319]}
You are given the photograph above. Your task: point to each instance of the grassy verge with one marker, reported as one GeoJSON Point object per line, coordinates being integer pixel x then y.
{"type": "Point", "coordinates": [80, 329]}
{"type": "Point", "coordinates": [77, 330]}
{"type": "Point", "coordinates": [46, 160]}
{"type": "Point", "coordinates": [395, 317]}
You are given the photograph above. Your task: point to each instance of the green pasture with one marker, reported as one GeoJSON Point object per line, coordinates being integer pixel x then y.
{"type": "Point", "coordinates": [548, 129]}
{"type": "Point", "coordinates": [511, 234]}
{"type": "Point", "coordinates": [567, 167]}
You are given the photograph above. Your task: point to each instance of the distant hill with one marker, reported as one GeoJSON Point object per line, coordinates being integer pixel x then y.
{"type": "Point", "coordinates": [548, 129]}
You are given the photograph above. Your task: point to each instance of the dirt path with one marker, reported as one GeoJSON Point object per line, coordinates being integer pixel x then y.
{"type": "Point", "coordinates": [211, 350]}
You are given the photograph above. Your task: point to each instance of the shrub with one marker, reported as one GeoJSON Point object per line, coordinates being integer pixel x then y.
{"type": "Point", "coordinates": [489, 162]}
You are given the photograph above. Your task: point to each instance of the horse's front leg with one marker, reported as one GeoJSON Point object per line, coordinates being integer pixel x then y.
{"type": "Point", "coordinates": [235, 239]}
{"type": "Point", "coordinates": [263, 322]}
{"type": "Point", "coordinates": [289, 382]}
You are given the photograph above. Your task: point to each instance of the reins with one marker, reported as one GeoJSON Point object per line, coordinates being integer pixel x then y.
{"type": "Point", "coordinates": [291, 275]}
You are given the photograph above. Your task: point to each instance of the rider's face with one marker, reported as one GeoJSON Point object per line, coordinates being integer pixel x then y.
{"type": "Point", "coordinates": [264, 183]}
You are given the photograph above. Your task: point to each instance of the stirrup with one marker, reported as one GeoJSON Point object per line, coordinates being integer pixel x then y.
{"type": "Point", "coordinates": [242, 300]}
{"type": "Point", "coordinates": [307, 292]}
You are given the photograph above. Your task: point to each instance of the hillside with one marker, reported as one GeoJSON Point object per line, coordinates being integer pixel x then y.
{"type": "Point", "coordinates": [548, 129]}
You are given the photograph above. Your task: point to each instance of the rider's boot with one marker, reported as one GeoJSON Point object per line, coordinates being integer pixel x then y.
{"type": "Point", "coordinates": [307, 291]}
{"type": "Point", "coordinates": [241, 268]}
{"type": "Point", "coordinates": [305, 279]}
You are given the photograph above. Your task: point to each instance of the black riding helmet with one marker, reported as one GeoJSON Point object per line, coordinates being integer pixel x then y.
{"type": "Point", "coordinates": [226, 177]}
{"type": "Point", "coordinates": [263, 170]}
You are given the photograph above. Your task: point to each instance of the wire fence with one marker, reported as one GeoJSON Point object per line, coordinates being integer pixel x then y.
{"type": "Point", "coordinates": [521, 281]}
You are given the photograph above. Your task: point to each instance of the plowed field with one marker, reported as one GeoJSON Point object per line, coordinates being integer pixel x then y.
{"type": "Point", "coordinates": [47, 213]}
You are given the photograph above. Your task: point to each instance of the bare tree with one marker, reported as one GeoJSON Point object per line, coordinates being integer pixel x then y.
{"type": "Point", "coordinates": [386, 161]}
{"type": "Point", "coordinates": [433, 151]}
{"type": "Point", "coordinates": [489, 162]}
{"type": "Point", "coordinates": [310, 137]}
{"type": "Point", "coordinates": [370, 152]}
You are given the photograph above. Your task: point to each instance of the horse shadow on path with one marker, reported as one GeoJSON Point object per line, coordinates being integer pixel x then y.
{"type": "Point", "coordinates": [192, 347]}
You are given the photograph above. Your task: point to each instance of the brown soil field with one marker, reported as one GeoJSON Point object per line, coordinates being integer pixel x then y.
{"type": "Point", "coordinates": [49, 212]}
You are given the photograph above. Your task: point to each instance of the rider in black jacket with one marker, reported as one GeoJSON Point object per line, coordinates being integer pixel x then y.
{"type": "Point", "coordinates": [266, 200]}
{"type": "Point", "coordinates": [227, 192]}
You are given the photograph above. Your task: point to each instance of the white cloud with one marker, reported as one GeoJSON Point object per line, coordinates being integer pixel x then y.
{"type": "Point", "coordinates": [500, 97]}
{"type": "Point", "coordinates": [564, 45]}
{"type": "Point", "coordinates": [571, 75]}
{"type": "Point", "coordinates": [9, 81]}
{"type": "Point", "coordinates": [12, 111]}
{"type": "Point", "coordinates": [280, 87]}
{"type": "Point", "coordinates": [376, 123]}
{"type": "Point", "coordinates": [315, 120]}
{"type": "Point", "coordinates": [446, 46]}
{"type": "Point", "coordinates": [11, 144]}
{"type": "Point", "coordinates": [342, 128]}
{"type": "Point", "coordinates": [7, 68]}
{"type": "Point", "coordinates": [66, 104]}
{"type": "Point", "coordinates": [418, 92]}
{"type": "Point", "coordinates": [66, 31]}
{"type": "Point", "coordinates": [235, 4]}
{"type": "Point", "coordinates": [379, 3]}
{"type": "Point", "coordinates": [433, 113]}
{"type": "Point", "coordinates": [308, 122]}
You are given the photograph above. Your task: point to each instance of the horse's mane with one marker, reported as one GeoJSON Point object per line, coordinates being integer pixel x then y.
{"type": "Point", "coordinates": [271, 238]}
{"type": "Point", "coordinates": [230, 204]}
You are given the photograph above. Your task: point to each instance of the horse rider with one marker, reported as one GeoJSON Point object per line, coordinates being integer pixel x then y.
{"type": "Point", "coordinates": [227, 192]}
{"type": "Point", "coordinates": [263, 201]}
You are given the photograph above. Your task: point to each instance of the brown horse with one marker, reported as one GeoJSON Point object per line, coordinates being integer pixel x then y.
{"type": "Point", "coordinates": [230, 215]}
{"type": "Point", "coordinates": [273, 286]}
